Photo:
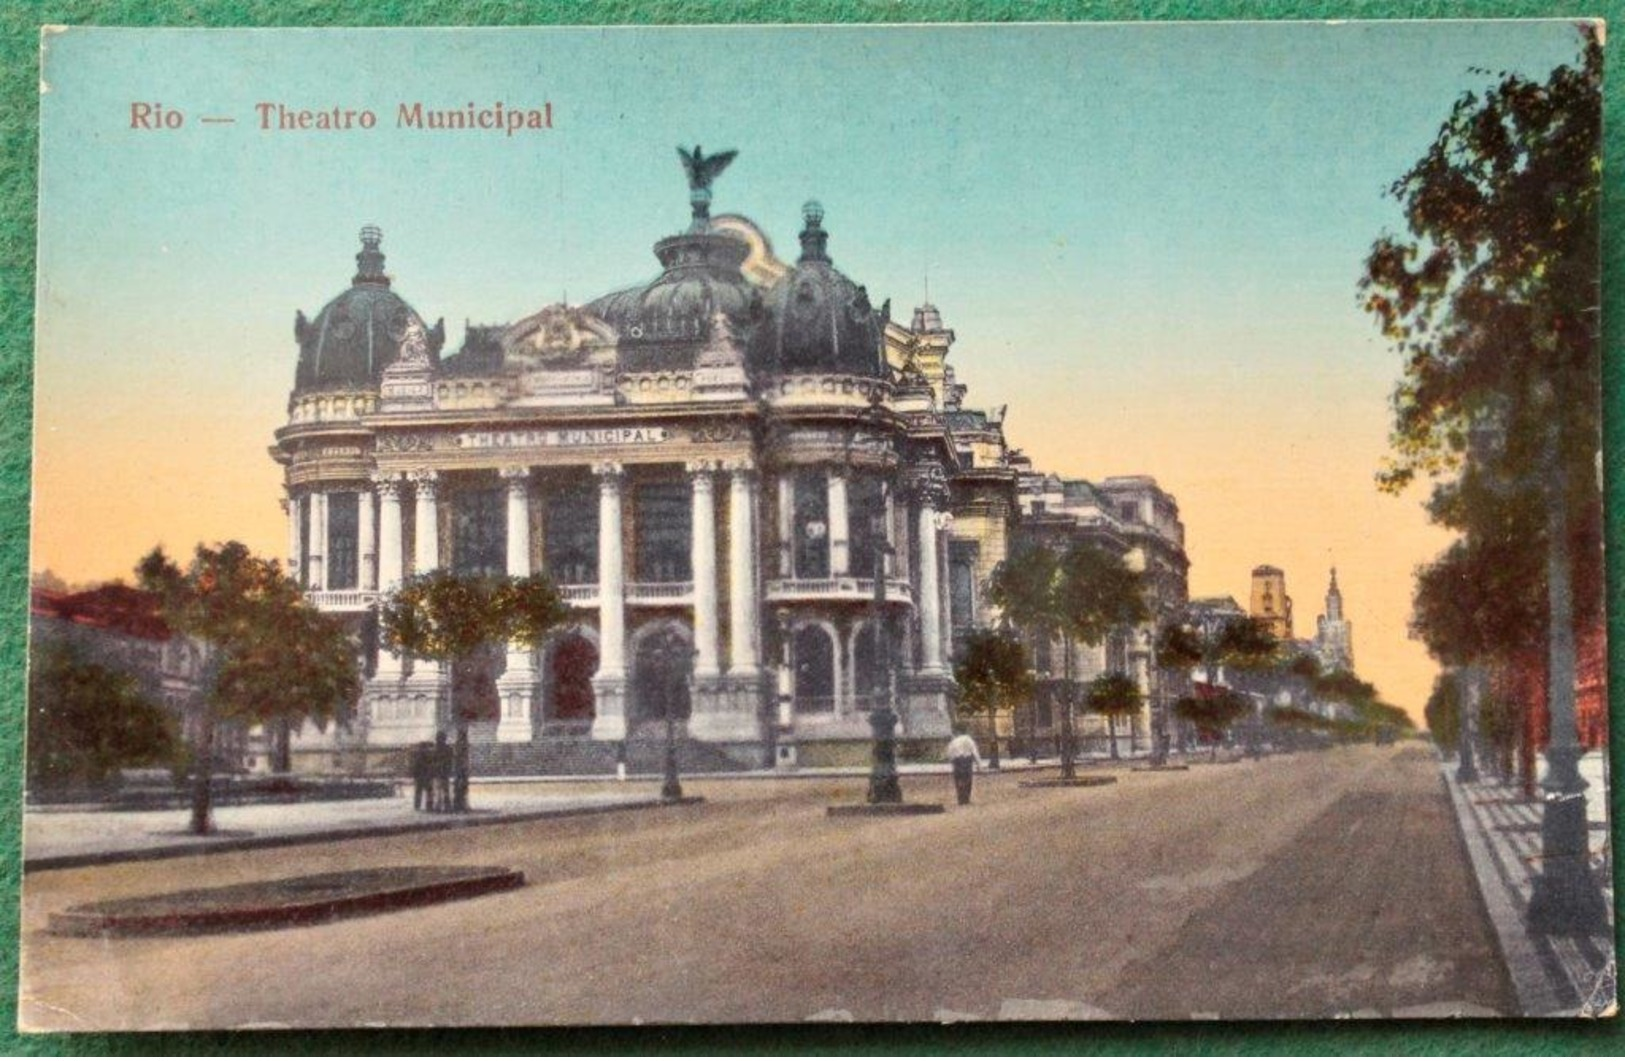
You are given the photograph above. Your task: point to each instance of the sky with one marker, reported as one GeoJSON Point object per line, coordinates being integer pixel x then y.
{"type": "Point", "coordinates": [1147, 239]}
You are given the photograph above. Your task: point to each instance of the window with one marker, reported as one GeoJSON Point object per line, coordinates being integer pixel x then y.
{"type": "Point", "coordinates": [571, 535]}
{"type": "Point", "coordinates": [663, 514]}
{"type": "Point", "coordinates": [866, 508]}
{"type": "Point", "coordinates": [342, 531]}
{"type": "Point", "coordinates": [479, 531]}
{"type": "Point", "coordinates": [962, 559]}
{"type": "Point", "coordinates": [811, 526]}
{"type": "Point", "coordinates": [1126, 511]}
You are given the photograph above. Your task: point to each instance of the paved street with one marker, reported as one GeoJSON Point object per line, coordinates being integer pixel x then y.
{"type": "Point", "coordinates": [1305, 885]}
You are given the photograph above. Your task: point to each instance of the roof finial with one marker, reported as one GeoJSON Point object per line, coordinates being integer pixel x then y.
{"type": "Point", "coordinates": [701, 172]}
{"type": "Point", "coordinates": [814, 240]}
{"type": "Point", "coordinates": [370, 262]}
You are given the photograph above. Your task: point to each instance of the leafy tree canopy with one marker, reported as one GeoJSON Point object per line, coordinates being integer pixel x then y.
{"type": "Point", "coordinates": [269, 655]}
{"type": "Point", "coordinates": [1114, 695]}
{"type": "Point", "coordinates": [86, 721]}
{"type": "Point", "coordinates": [1084, 592]}
{"type": "Point", "coordinates": [444, 616]}
{"type": "Point", "coordinates": [1491, 300]}
{"type": "Point", "coordinates": [991, 670]}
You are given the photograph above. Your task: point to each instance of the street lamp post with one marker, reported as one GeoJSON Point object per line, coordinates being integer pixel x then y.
{"type": "Point", "coordinates": [883, 783]}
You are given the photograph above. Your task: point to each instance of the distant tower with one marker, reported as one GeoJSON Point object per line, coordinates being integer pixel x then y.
{"type": "Point", "coordinates": [1334, 635]}
{"type": "Point", "coordinates": [1271, 605]}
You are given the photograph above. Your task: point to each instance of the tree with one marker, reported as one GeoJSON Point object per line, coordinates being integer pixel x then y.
{"type": "Point", "coordinates": [1443, 711]}
{"type": "Point", "coordinates": [1491, 301]}
{"type": "Point", "coordinates": [1115, 696]}
{"type": "Point", "coordinates": [269, 656]}
{"type": "Point", "coordinates": [447, 617]}
{"type": "Point", "coordinates": [86, 721]}
{"type": "Point", "coordinates": [992, 672]}
{"type": "Point", "coordinates": [1081, 595]}
{"type": "Point", "coordinates": [1213, 713]}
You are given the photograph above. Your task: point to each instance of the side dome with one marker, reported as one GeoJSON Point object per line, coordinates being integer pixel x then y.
{"type": "Point", "coordinates": [359, 333]}
{"type": "Point", "coordinates": [818, 320]}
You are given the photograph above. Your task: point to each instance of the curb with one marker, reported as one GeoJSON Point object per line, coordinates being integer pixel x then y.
{"type": "Point", "coordinates": [127, 918]}
{"type": "Point", "coordinates": [1522, 964]}
{"type": "Point", "coordinates": [250, 843]}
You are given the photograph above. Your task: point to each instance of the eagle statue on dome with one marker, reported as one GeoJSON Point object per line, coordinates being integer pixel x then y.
{"type": "Point", "coordinates": [701, 172]}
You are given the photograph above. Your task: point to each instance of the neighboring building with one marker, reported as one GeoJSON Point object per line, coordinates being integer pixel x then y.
{"type": "Point", "coordinates": [118, 627]}
{"type": "Point", "coordinates": [714, 466]}
{"type": "Point", "coordinates": [1334, 635]}
{"type": "Point", "coordinates": [1134, 518]}
{"type": "Point", "coordinates": [1270, 603]}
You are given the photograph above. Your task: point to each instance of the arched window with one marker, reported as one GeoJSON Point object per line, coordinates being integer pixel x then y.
{"type": "Point", "coordinates": [868, 676]}
{"type": "Point", "coordinates": [814, 656]}
{"type": "Point", "coordinates": [660, 674]}
{"type": "Point", "coordinates": [574, 662]}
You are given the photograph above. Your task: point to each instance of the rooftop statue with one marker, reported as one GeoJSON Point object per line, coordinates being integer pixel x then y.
{"type": "Point", "coordinates": [701, 172]}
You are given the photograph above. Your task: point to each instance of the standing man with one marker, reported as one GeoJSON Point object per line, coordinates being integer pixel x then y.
{"type": "Point", "coordinates": [441, 800]}
{"type": "Point", "coordinates": [422, 776]}
{"type": "Point", "coordinates": [962, 753]}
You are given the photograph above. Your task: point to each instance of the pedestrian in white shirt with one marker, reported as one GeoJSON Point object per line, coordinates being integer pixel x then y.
{"type": "Point", "coordinates": [962, 753]}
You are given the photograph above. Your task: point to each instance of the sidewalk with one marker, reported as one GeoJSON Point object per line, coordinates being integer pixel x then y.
{"type": "Point", "coordinates": [1553, 976]}
{"type": "Point", "coordinates": [67, 839]}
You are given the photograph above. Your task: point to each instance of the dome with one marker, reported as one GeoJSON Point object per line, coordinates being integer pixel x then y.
{"type": "Point", "coordinates": [358, 333]}
{"type": "Point", "coordinates": [818, 320]}
{"type": "Point", "coordinates": [702, 278]}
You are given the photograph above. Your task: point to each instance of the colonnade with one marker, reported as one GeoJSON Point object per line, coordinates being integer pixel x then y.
{"type": "Point", "coordinates": [742, 663]}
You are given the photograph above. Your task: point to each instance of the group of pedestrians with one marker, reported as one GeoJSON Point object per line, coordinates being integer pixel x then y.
{"type": "Point", "coordinates": [440, 771]}
{"type": "Point", "coordinates": [440, 774]}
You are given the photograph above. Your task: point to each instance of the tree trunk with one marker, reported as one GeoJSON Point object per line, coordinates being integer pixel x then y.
{"type": "Point", "coordinates": [992, 738]}
{"type": "Point", "coordinates": [1067, 769]}
{"type": "Point", "coordinates": [1111, 733]}
{"type": "Point", "coordinates": [202, 775]}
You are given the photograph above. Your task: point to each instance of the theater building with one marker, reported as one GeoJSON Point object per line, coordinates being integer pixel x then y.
{"type": "Point", "coordinates": [737, 473]}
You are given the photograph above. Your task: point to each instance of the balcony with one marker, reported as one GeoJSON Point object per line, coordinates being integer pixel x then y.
{"type": "Point", "coordinates": [585, 595]}
{"type": "Point", "coordinates": [840, 588]}
{"type": "Point", "coordinates": [659, 592]}
{"type": "Point", "coordinates": [342, 600]}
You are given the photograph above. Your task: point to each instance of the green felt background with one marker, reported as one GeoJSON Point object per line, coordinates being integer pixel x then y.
{"type": "Point", "coordinates": [19, 22]}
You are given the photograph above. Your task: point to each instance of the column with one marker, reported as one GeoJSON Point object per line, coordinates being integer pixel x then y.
{"type": "Point", "coordinates": [609, 684]}
{"type": "Point", "coordinates": [517, 687]}
{"type": "Point", "coordinates": [787, 520]}
{"type": "Point", "coordinates": [389, 558]}
{"type": "Point", "coordinates": [930, 594]}
{"type": "Point", "coordinates": [744, 596]}
{"type": "Point", "coordinates": [839, 525]}
{"type": "Point", "coordinates": [317, 552]}
{"type": "Point", "coordinates": [366, 542]}
{"type": "Point", "coordinates": [296, 538]}
{"type": "Point", "coordinates": [703, 563]}
{"type": "Point", "coordinates": [426, 554]}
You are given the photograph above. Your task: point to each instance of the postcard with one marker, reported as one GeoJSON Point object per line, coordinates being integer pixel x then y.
{"type": "Point", "coordinates": [753, 524]}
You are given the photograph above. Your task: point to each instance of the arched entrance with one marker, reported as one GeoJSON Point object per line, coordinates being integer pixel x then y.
{"type": "Point", "coordinates": [662, 662]}
{"type": "Point", "coordinates": [572, 660]}
{"type": "Point", "coordinates": [814, 655]}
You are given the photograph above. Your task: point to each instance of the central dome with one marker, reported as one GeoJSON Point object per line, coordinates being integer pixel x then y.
{"type": "Point", "coordinates": [702, 278]}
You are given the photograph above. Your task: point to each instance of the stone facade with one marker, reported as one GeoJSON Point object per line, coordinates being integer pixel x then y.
{"type": "Point", "coordinates": [731, 472]}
